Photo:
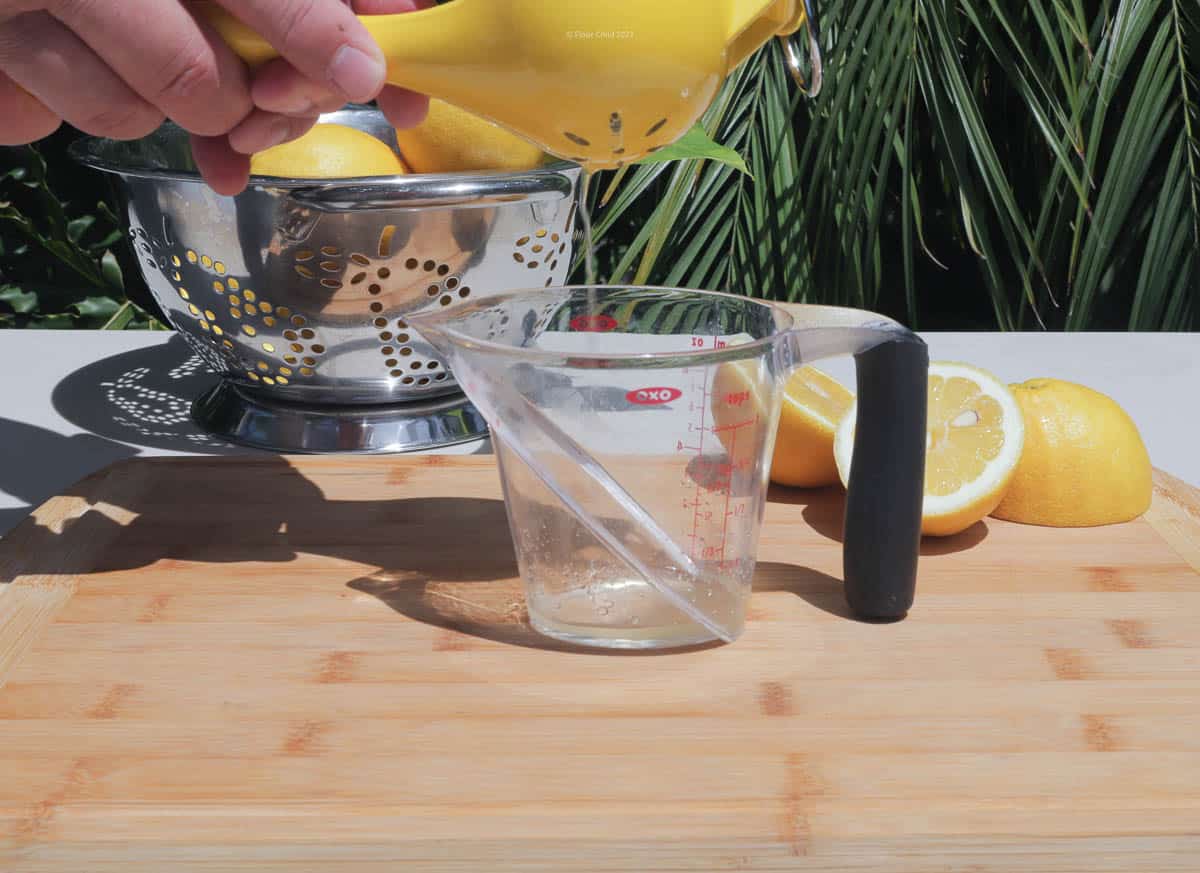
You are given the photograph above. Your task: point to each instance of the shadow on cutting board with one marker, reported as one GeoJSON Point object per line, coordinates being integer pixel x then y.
{"type": "Point", "coordinates": [815, 588]}
{"type": "Point", "coordinates": [824, 508]}
{"type": "Point", "coordinates": [443, 561]}
{"type": "Point", "coordinates": [37, 463]}
{"type": "Point", "coordinates": [492, 609]}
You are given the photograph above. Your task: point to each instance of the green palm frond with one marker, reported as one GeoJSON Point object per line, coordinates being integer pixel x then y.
{"type": "Point", "coordinates": [1145, 142]}
{"type": "Point", "coordinates": [679, 221]}
{"type": "Point", "coordinates": [1012, 164]}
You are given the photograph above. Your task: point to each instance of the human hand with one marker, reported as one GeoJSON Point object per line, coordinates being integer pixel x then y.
{"type": "Point", "coordinates": [117, 68]}
{"type": "Point", "coordinates": [288, 98]}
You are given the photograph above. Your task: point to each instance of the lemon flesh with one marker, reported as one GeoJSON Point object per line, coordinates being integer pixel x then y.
{"type": "Point", "coordinates": [328, 151]}
{"type": "Point", "coordinates": [974, 438]}
{"type": "Point", "coordinates": [813, 404]}
{"type": "Point", "coordinates": [452, 140]}
{"type": "Point", "coordinates": [1084, 462]}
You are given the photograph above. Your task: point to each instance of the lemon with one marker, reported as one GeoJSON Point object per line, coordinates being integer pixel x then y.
{"type": "Point", "coordinates": [1084, 462]}
{"type": "Point", "coordinates": [328, 151]}
{"type": "Point", "coordinates": [452, 140]}
{"type": "Point", "coordinates": [813, 404]}
{"type": "Point", "coordinates": [974, 439]}
{"type": "Point", "coordinates": [737, 407]}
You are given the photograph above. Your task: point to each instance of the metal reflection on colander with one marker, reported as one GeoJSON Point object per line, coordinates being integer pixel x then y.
{"type": "Point", "coordinates": [301, 291]}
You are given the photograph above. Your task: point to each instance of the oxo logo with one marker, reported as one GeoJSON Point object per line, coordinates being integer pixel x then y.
{"type": "Point", "coordinates": [653, 396]}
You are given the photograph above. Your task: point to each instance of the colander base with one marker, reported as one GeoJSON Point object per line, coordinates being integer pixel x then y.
{"type": "Point", "coordinates": [229, 414]}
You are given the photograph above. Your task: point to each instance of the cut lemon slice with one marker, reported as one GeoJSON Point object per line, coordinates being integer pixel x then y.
{"type": "Point", "coordinates": [975, 433]}
{"type": "Point", "coordinates": [813, 404]}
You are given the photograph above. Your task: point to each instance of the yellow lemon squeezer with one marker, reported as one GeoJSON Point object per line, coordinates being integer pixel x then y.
{"type": "Point", "coordinates": [601, 84]}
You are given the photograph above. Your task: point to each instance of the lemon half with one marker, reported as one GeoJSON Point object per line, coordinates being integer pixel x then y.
{"type": "Point", "coordinates": [328, 151]}
{"type": "Point", "coordinates": [813, 404]}
{"type": "Point", "coordinates": [452, 140]}
{"type": "Point", "coordinates": [974, 437]}
{"type": "Point", "coordinates": [1084, 461]}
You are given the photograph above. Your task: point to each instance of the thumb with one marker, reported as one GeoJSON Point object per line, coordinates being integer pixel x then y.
{"type": "Point", "coordinates": [388, 7]}
{"type": "Point", "coordinates": [322, 39]}
{"type": "Point", "coordinates": [403, 108]}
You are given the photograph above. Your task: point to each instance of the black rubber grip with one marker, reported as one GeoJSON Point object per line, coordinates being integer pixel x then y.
{"type": "Point", "coordinates": [882, 537]}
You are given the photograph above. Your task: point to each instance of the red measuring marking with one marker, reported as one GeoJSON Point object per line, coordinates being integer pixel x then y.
{"type": "Point", "coordinates": [701, 549]}
{"type": "Point", "coordinates": [719, 479]}
{"type": "Point", "coordinates": [728, 489]}
{"type": "Point", "coordinates": [699, 448]}
{"type": "Point", "coordinates": [725, 428]}
{"type": "Point", "coordinates": [593, 323]}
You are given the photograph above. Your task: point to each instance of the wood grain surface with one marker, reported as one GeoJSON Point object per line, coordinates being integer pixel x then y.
{"type": "Point", "coordinates": [323, 664]}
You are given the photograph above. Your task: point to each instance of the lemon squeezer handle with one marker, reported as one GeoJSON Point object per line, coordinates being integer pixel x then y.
{"type": "Point", "coordinates": [421, 36]}
{"type": "Point", "coordinates": [882, 526]}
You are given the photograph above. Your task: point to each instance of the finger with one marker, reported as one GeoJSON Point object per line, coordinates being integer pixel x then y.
{"type": "Point", "coordinates": [225, 170]}
{"type": "Point", "coordinates": [23, 118]}
{"type": "Point", "coordinates": [389, 7]}
{"type": "Point", "coordinates": [263, 130]}
{"type": "Point", "coordinates": [281, 88]}
{"type": "Point", "coordinates": [321, 38]}
{"type": "Point", "coordinates": [180, 65]}
{"type": "Point", "coordinates": [403, 108]}
{"type": "Point", "coordinates": [54, 65]}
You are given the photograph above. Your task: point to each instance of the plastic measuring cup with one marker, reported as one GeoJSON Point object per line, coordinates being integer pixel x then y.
{"type": "Point", "coordinates": [634, 429]}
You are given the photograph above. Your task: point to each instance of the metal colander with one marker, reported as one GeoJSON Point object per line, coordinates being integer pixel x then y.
{"type": "Point", "coordinates": [298, 292]}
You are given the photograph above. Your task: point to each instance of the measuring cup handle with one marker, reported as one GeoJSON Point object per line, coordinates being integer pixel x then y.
{"type": "Point", "coordinates": [882, 532]}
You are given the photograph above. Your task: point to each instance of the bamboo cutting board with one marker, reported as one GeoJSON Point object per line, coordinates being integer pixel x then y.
{"type": "Point", "coordinates": [321, 664]}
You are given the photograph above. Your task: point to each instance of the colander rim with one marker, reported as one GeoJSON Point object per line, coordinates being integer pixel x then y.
{"type": "Point", "coordinates": [83, 151]}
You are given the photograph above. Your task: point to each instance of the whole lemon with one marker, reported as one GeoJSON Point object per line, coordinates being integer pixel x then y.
{"type": "Point", "coordinates": [1084, 462]}
{"type": "Point", "coordinates": [452, 140]}
{"type": "Point", "coordinates": [328, 151]}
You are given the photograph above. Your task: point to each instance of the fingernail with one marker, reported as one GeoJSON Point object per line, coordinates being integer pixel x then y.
{"type": "Point", "coordinates": [357, 74]}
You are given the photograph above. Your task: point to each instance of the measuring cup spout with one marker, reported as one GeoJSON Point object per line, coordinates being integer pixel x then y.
{"type": "Point", "coordinates": [882, 525]}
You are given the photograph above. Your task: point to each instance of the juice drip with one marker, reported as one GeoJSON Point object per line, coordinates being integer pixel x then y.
{"type": "Point", "coordinates": [589, 252]}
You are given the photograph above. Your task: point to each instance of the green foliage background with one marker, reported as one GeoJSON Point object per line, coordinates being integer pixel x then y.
{"type": "Point", "coordinates": [977, 163]}
{"type": "Point", "coordinates": [64, 262]}
{"type": "Point", "coordinates": [971, 164]}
